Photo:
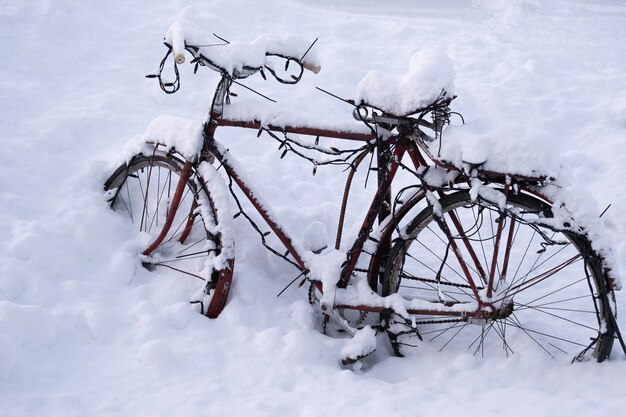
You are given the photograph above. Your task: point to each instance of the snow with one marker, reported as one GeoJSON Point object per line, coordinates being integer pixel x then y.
{"type": "Point", "coordinates": [217, 189]}
{"type": "Point", "coordinates": [361, 344]}
{"type": "Point", "coordinates": [430, 76]}
{"type": "Point", "coordinates": [85, 330]}
{"type": "Point", "coordinates": [234, 56]}
{"type": "Point", "coordinates": [172, 132]}
{"type": "Point", "coordinates": [8, 353]}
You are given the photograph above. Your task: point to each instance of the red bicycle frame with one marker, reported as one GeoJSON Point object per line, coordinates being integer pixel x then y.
{"type": "Point", "coordinates": [403, 144]}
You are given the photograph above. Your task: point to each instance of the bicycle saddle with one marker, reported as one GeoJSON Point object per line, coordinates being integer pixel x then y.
{"type": "Point", "coordinates": [430, 77]}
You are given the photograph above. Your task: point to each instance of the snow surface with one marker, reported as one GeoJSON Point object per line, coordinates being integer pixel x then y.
{"type": "Point", "coordinates": [85, 330]}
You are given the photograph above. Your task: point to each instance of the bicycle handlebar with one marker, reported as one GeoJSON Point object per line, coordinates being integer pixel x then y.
{"type": "Point", "coordinates": [315, 69]}
{"type": "Point", "coordinates": [178, 44]}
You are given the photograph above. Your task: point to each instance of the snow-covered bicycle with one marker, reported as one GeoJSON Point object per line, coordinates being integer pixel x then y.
{"type": "Point", "coordinates": [464, 255]}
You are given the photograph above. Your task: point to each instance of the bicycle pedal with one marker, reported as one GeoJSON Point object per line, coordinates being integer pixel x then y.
{"type": "Point", "coordinates": [352, 360]}
{"type": "Point", "coordinates": [361, 345]}
{"type": "Point", "coordinates": [320, 250]}
{"type": "Point", "coordinates": [149, 266]}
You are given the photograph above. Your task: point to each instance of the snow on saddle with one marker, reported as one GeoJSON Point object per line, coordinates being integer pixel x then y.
{"type": "Point", "coordinates": [430, 77]}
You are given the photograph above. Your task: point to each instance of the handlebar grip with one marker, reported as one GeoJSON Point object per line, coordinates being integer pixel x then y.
{"type": "Point", "coordinates": [311, 67]}
{"type": "Point", "coordinates": [178, 43]}
{"type": "Point", "coordinates": [179, 58]}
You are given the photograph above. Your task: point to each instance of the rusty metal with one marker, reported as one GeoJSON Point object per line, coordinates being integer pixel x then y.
{"type": "Point", "coordinates": [344, 200]}
{"type": "Point", "coordinates": [496, 247]}
{"type": "Point", "coordinates": [222, 287]}
{"type": "Point", "coordinates": [377, 210]}
{"type": "Point", "coordinates": [376, 259]}
{"type": "Point", "coordinates": [368, 222]}
{"type": "Point", "coordinates": [144, 211]}
{"type": "Point", "coordinates": [507, 250]}
{"type": "Point", "coordinates": [280, 233]}
{"type": "Point", "coordinates": [326, 133]}
{"type": "Point", "coordinates": [180, 187]}
{"type": "Point", "coordinates": [189, 224]}
{"type": "Point", "coordinates": [478, 313]}
{"type": "Point", "coordinates": [468, 245]}
{"type": "Point", "coordinates": [443, 225]}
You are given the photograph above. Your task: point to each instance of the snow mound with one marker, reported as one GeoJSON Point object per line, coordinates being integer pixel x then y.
{"type": "Point", "coordinates": [362, 344]}
{"type": "Point", "coordinates": [154, 352]}
{"type": "Point", "coordinates": [172, 132]}
{"type": "Point", "coordinates": [30, 324]}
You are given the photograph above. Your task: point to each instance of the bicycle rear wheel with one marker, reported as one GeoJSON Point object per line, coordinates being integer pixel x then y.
{"type": "Point", "coordinates": [142, 190]}
{"type": "Point", "coordinates": [548, 288]}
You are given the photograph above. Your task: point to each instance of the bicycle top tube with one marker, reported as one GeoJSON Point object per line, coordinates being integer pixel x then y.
{"type": "Point", "coordinates": [310, 131]}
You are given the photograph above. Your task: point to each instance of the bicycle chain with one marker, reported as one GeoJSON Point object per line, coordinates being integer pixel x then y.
{"type": "Point", "coordinates": [439, 321]}
{"type": "Point", "coordinates": [312, 300]}
{"type": "Point", "coordinates": [434, 281]}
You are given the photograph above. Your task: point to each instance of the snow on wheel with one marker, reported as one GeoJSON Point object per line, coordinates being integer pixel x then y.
{"type": "Point", "coordinates": [143, 191]}
{"type": "Point", "coordinates": [549, 295]}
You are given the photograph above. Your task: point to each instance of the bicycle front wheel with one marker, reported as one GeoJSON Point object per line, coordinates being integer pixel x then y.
{"type": "Point", "coordinates": [548, 290]}
{"type": "Point", "coordinates": [142, 190]}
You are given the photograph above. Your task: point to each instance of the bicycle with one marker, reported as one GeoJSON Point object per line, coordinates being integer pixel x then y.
{"type": "Point", "coordinates": [463, 254]}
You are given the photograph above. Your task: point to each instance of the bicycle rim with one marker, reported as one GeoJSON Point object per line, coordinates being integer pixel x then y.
{"type": "Point", "coordinates": [548, 289]}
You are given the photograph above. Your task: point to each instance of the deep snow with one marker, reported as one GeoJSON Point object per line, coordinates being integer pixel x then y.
{"type": "Point", "coordinates": [85, 330]}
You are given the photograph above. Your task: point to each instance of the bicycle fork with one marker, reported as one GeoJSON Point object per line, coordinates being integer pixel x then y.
{"type": "Point", "coordinates": [180, 187]}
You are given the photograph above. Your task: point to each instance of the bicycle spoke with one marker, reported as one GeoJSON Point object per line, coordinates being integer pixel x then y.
{"type": "Point", "coordinates": [440, 259]}
{"type": "Point", "coordinates": [179, 270]}
{"type": "Point", "coordinates": [558, 290]}
{"type": "Point", "coordinates": [562, 318]}
{"type": "Point", "coordinates": [453, 336]}
{"type": "Point", "coordinates": [206, 252]}
{"type": "Point", "coordinates": [524, 307]}
{"type": "Point", "coordinates": [561, 301]}
{"type": "Point", "coordinates": [182, 259]}
{"type": "Point", "coordinates": [500, 329]}
{"type": "Point", "coordinates": [480, 238]}
{"type": "Point", "coordinates": [176, 234]}
{"type": "Point", "coordinates": [535, 267]}
{"type": "Point", "coordinates": [530, 241]}
{"type": "Point", "coordinates": [433, 290]}
{"type": "Point", "coordinates": [431, 285]}
{"type": "Point", "coordinates": [518, 325]}
{"type": "Point", "coordinates": [468, 246]}
{"type": "Point", "coordinates": [537, 279]}
{"type": "Point", "coordinates": [155, 217]}
{"type": "Point", "coordinates": [481, 335]}
{"type": "Point", "coordinates": [435, 272]}
{"type": "Point", "coordinates": [189, 246]}
{"type": "Point", "coordinates": [128, 209]}
{"type": "Point", "coordinates": [145, 199]}
{"type": "Point", "coordinates": [526, 331]}
{"type": "Point", "coordinates": [443, 331]}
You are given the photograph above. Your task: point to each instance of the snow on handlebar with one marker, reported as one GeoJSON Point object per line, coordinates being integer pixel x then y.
{"type": "Point", "coordinates": [177, 40]}
{"type": "Point", "coordinates": [233, 57]}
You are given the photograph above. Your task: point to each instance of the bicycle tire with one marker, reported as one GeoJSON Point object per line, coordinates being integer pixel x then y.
{"type": "Point", "coordinates": [558, 293]}
{"type": "Point", "coordinates": [141, 190]}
